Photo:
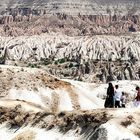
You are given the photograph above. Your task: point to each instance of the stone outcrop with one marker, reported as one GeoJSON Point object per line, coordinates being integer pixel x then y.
{"type": "Point", "coordinates": [79, 25]}
{"type": "Point", "coordinates": [86, 40]}
{"type": "Point", "coordinates": [69, 17]}
{"type": "Point", "coordinates": [27, 110]}
{"type": "Point", "coordinates": [97, 58]}
{"type": "Point", "coordinates": [85, 125]}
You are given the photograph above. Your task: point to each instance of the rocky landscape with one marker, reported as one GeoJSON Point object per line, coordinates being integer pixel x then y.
{"type": "Point", "coordinates": [94, 41]}
{"type": "Point", "coordinates": [69, 17]}
{"type": "Point", "coordinates": [56, 58]}
{"type": "Point", "coordinates": [35, 105]}
{"type": "Point", "coordinates": [92, 59]}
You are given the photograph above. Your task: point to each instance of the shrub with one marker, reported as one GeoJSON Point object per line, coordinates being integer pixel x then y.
{"type": "Point", "coordinates": [129, 120]}
{"type": "Point", "coordinates": [70, 65]}
{"type": "Point", "coordinates": [45, 61]}
{"type": "Point", "coordinates": [77, 65]}
{"type": "Point", "coordinates": [2, 60]}
{"type": "Point", "coordinates": [56, 62]}
{"type": "Point", "coordinates": [32, 65]}
{"type": "Point", "coordinates": [66, 75]}
{"type": "Point", "coordinates": [61, 60]}
{"type": "Point", "coordinates": [66, 67]}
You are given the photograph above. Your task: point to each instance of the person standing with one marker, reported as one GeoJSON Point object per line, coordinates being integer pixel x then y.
{"type": "Point", "coordinates": [118, 95]}
{"type": "Point", "coordinates": [123, 100]}
{"type": "Point", "coordinates": [138, 93]}
{"type": "Point", "coordinates": [109, 99]}
{"type": "Point", "coordinates": [137, 99]}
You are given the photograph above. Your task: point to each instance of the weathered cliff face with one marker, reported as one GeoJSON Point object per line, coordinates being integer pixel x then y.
{"type": "Point", "coordinates": [68, 43]}
{"type": "Point", "coordinates": [69, 25]}
{"type": "Point", "coordinates": [97, 58]}
{"type": "Point", "coordinates": [87, 40]}
{"type": "Point", "coordinates": [37, 106]}
{"type": "Point", "coordinates": [69, 17]}
{"type": "Point", "coordinates": [17, 123]}
{"type": "Point", "coordinates": [85, 7]}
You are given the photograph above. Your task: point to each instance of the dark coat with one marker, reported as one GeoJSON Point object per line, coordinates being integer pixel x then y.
{"type": "Point", "coordinates": [138, 95]}
{"type": "Point", "coordinates": [110, 92]}
{"type": "Point", "coordinates": [109, 102]}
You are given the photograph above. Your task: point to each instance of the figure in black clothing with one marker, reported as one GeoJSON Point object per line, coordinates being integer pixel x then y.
{"type": "Point", "coordinates": [109, 102]}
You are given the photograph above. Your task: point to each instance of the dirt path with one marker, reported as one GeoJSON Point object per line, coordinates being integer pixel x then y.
{"type": "Point", "coordinates": [74, 99]}
{"type": "Point", "coordinates": [55, 102]}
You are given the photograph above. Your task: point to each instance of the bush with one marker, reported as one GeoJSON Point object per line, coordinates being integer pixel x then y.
{"type": "Point", "coordinates": [2, 60]}
{"type": "Point", "coordinates": [61, 60]}
{"type": "Point", "coordinates": [77, 65]}
{"type": "Point", "coordinates": [56, 62]}
{"type": "Point", "coordinates": [32, 65]}
{"type": "Point", "coordinates": [66, 67]}
{"type": "Point", "coordinates": [45, 61]}
{"type": "Point", "coordinates": [66, 75]}
{"type": "Point", "coordinates": [129, 120]}
{"type": "Point", "coordinates": [70, 65]}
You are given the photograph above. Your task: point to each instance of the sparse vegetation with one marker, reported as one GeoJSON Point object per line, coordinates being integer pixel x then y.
{"type": "Point", "coordinates": [45, 61]}
{"type": "Point", "coordinates": [129, 120]}
{"type": "Point", "coordinates": [56, 62]}
{"type": "Point", "coordinates": [71, 65]}
{"type": "Point", "coordinates": [66, 75]}
{"type": "Point", "coordinates": [61, 60]}
{"type": "Point", "coordinates": [2, 60]}
{"type": "Point", "coordinates": [137, 133]}
{"type": "Point", "coordinates": [33, 65]}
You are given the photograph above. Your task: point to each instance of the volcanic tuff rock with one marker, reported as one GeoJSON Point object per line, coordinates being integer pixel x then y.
{"type": "Point", "coordinates": [36, 88]}
{"type": "Point", "coordinates": [85, 125]}
{"type": "Point", "coordinates": [68, 35]}
{"type": "Point", "coordinates": [71, 17]}
{"type": "Point", "coordinates": [97, 58]}
{"type": "Point", "coordinates": [34, 103]}
{"type": "Point", "coordinates": [73, 7]}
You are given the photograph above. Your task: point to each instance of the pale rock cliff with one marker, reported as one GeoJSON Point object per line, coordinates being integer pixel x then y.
{"type": "Point", "coordinates": [35, 105]}
{"type": "Point", "coordinates": [97, 58]}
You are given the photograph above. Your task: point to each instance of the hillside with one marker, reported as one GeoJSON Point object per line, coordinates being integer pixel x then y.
{"type": "Point", "coordinates": [92, 59]}
{"type": "Point", "coordinates": [93, 41]}
{"type": "Point", "coordinates": [36, 105]}
{"type": "Point", "coordinates": [31, 86]}
{"type": "Point", "coordinates": [56, 60]}
{"type": "Point", "coordinates": [74, 7]}
{"type": "Point", "coordinates": [73, 18]}
{"type": "Point", "coordinates": [87, 125]}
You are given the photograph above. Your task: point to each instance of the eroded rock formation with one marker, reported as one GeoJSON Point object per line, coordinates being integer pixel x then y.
{"type": "Point", "coordinates": [69, 17]}
{"type": "Point", "coordinates": [97, 58]}
{"type": "Point", "coordinates": [86, 40]}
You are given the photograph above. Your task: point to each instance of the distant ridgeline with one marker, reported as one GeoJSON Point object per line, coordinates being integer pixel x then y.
{"type": "Point", "coordinates": [72, 7]}
{"type": "Point", "coordinates": [69, 17]}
